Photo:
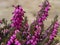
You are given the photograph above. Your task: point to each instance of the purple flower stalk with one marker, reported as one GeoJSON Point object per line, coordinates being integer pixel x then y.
{"type": "Point", "coordinates": [18, 17]}
{"type": "Point", "coordinates": [44, 11]}
{"type": "Point", "coordinates": [32, 41]}
{"type": "Point", "coordinates": [35, 38]}
{"type": "Point", "coordinates": [54, 33]}
{"type": "Point", "coordinates": [55, 30]}
{"type": "Point", "coordinates": [12, 39]}
{"type": "Point", "coordinates": [17, 42]}
{"type": "Point", "coordinates": [16, 22]}
{"type": "Point", "coordinates": [42, 14]}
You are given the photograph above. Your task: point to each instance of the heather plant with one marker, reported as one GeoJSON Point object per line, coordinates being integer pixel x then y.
{"type": "Point", "coordinates": [19, 32]}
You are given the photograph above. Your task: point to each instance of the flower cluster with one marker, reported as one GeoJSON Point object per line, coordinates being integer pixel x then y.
{"type": "Point", "coordinates": [35, 38]}
{"type": "Point", "coordinates": [13, 39]}
{"type": "Point", "coordinates": [32, 41]}
{"type": "Point", "coordinates": [17, 42]}
{"type": "Point", "coordinates": [18, 17]}
{"type": "Point", "coordinates": [43, 13]}
{"type": "Point", "coordinates": [19, 32]}
{"type": "Point", "coordinates": [54, 33]}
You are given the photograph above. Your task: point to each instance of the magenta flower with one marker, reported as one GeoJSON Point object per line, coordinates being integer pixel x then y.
{"type": "Point", "coordinates": [17, 42]}
{"type": "Point", "coordinates": [12, 39]}
{"type": "Point", "coordinates": [45, 8]}
{"type": "Point", "coordinates": [25, 34]}
{"type": "Point", "coordinates": [18, 17]}
{"type": "Point", "coordinates": [54, 32]}
{"type": "Point", "coordinates": [35, 38]}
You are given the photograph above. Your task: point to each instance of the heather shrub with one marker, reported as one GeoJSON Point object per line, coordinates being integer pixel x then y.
{"type": "Point", "coordinates": [19, 32]}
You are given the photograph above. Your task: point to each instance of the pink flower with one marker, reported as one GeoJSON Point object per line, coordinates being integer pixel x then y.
{"type": "Point", "coordinates": [18, 17]}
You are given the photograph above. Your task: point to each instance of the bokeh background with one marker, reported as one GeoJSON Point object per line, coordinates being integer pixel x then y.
{"type": "Point", "coordinates": [31, 7]}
